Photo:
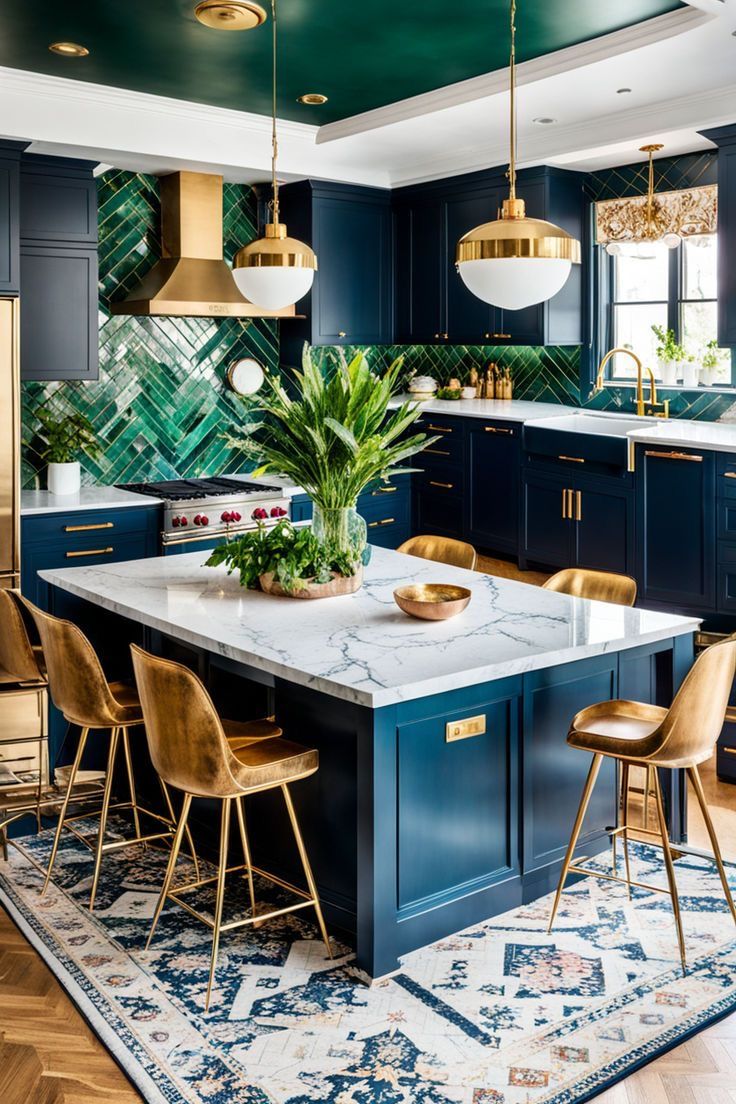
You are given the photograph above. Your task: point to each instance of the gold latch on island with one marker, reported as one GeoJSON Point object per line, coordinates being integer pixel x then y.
{"type": "Point", "coordinates": [462, 730]}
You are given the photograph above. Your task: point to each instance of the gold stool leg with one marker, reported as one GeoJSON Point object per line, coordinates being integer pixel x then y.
{"type": "Point", "coordinates": [114, 737]}
{"type": "Point", "coordinates": [595, 767]}
{"type": "Point", "coordinates": [648, 787]}
{"type": "Point", "coordinates": [307, 868]}
{"type": "Point", "coordinates": [173, 856]}
{"type": "Point", "coordinates": [625, 769]}
{"type": "Point", "coordinates": [670, 867]}
{"type": "Point", "coordinates": [65, 805]}
{"type": "Point", "coordinates": [219, 900]}
{"type": "Point", "coordinates": [187, 832]}
{"type": "Point", "coordinates": [131, 783]}
{"type": "Point", "coordinates": [694, 776]}
{"type": "Point", "coordinates": [246, 854]}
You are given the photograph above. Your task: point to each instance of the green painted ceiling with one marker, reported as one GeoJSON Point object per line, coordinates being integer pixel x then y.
{"type": "Point", "coordinates": [360, 55]}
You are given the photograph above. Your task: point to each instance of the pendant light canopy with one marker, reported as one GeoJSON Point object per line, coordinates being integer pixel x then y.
{"type": "Point", "coordinates": [274, 271]}
{"type": "Point", "coordinates": [515, 261]}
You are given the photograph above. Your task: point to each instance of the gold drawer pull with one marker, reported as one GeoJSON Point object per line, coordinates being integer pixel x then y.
{"type": "Point", "coordinates": [676, 456]}
{"type": "Point", "coordinates": [445, 486]}
{"type": "Point", "coordinates": [500, 335]}
{"type": "Point", "coordinates": [378, 524]}
{"type": "Point", "coordinates": [384, 490]}
{"type": "Point", "coordinates": [729, 475]}
{"type": "Point", "coordinates": [439, 429]}
{"type": "Point", "coordinates": [578, 506]}
{"type": "Point", "coordinates": [341, 333]}
{"type": "Point", "coordinates": [90, 552]}
{"type": "Point", "coordinates": [89, 528]}
{"type": "Point", "coordinates": [729, 751]}
{"type": "Point", "coordinates": [437, 452]}
{"type": "Point", "coordinates": [567, 504]}
{"type": "Point", "coordinates": [495, 429]}
{"type": "Point", "coordinates": [572, 459]}
{"type": "Point", "coordinates": [462, 730]}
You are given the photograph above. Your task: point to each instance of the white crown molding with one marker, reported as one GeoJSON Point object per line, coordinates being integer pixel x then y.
{"type": "Point", "coordinates": [713, 7]}
{"type": "Point", "coordinates": [529, 72]}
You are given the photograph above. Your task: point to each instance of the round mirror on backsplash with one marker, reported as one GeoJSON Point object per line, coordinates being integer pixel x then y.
{"type": "Point", "coordinates": [245, 376]}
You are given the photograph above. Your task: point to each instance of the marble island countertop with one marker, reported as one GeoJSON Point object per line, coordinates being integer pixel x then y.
{"type": "Point", "coordinates": [361, 647]}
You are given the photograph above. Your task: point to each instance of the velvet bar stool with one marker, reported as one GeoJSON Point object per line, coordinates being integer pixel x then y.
{"type": "Point", "coordinates": [599, 586]}
{"type": "Point", "coordinates": [677, 738]}
{"type": "Point", "coordinates": [190, 750]}
{"type": "Point", "coordinates": [441, 550]}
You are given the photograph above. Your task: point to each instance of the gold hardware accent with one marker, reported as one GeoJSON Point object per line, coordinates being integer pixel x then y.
{"type": "Point", "coordinates": [676, 456]}
{"type": "Point", "coordinates": [378, 524]}
{"type": "Point", "coordinates": [10, 443]}
{"type": "Point", "coordinates": [69, 49]}
{"type": "Point", "coordinates": [89, 528]}
{"type": "Point", "coordinates": [230, 15]}
{"type": "Point", "coordinates": [578, 506]}
{"type": "Point", "coordinates": [631, 466]}
{"type": "Point", "coordinates": [572, 459]}
{"type": "Point", "coordinates": [729, 751]}
{"type": "Point", "coordinates": [564, 505]}
{"type": "Point", "coordinates": [463, 730]}
{"type": "Point", "coordinates": [729, 475]}
{"type": "Point", "coordinates": [313, 99]}
{"type": "Point", "coordinates": [437, 452]}
{"type": "Point", "coordinates": [445, 486]}
{"type": "Point", "coordinates": [496, 429]}
{"type": "Point", "coordinates": [642, 410]}
{"type": "Point", "coordinates": [439, 429]}
{"type": "Point", "coordinates": [384, 490]}
{"type": "Point", "coordinates": [341, 333]}
{"type": "Point", "coordinates": [504, 334]}
{"type": "Point", "coordinates": [89, 552]}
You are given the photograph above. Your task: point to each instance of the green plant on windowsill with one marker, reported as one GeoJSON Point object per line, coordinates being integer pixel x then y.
{"type": "Point", "coordinates": [667, 350]}
{"type": "Point", "coordinates": [61, 440]}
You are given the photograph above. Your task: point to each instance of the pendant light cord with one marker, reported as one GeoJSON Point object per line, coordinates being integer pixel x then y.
{"type": "Point", "coordinates": [274, 136]}
{"type": "Point", "coordinates": [512, 128]}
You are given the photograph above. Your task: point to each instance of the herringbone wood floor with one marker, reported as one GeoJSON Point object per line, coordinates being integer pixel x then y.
{"type": "Point", "coordinates": [48, 1055]}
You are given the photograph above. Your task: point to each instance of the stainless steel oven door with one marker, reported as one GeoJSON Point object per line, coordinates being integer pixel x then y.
{"type": "Point", "coordinates": [176, 544]}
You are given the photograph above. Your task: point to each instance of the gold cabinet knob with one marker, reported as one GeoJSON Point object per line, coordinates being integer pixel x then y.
{"type": "Point", "coordinates": [341, 333]}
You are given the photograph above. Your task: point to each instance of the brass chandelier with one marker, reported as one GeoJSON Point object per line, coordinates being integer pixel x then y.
{"type": "Point", "coordinates": [653, 225]}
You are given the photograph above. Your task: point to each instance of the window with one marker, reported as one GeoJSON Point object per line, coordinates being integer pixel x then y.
{"type": "Point", "coordinates": [675, 289]}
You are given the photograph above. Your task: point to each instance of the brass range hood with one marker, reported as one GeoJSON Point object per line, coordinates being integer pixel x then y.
{"type": "Point", "coordinates": [192, 280]}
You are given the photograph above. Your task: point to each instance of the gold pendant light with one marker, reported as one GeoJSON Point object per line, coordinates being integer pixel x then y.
{"type": "Point", "coordinates": [276, 270]}
{"type": "Point", "coordinates": [654, 227]}
{"type": "Point", "coordinates": [515, 261]}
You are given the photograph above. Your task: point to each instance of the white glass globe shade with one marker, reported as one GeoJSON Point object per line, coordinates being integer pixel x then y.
{"type": "Point", "coordinates": [613, 249]}
{"type": "Point", "coordinates": [273, 287]}
{"type": "Point", "coordinates": [514, 282]}
{"type": "Point", "coordinates": [672, 241]}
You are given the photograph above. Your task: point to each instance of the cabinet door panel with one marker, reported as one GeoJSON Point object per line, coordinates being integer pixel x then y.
{"type": "Point", "coordinates": [9, 251]}
{"type": "Point", "coordinates": [420, 272]}
{"type": "Point", "coordinates": [547, 533]}
{"type": "Point", "coordinates": [493, 485]}
{"type": "Point", "coordinates": [438, 511]}
{"type": "Point", "coordinates": [58, 207]}
{"type": "Point", "coordinates": [468, 318]}
{"type": "Point", "coordinates": [604, 532]}
{"type": "Point", "coordinates": [58, 322]}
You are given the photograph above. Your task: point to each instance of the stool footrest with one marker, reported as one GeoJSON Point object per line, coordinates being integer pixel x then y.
{"type": "Point", "coordinates": [573, 868]}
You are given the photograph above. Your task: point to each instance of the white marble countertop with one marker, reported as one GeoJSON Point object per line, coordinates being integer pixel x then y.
{"type": "Point", "coordinates": [361, 647]}
{"type": "Point", "coordinates": [512, 410]}
{"type": "Point", "coordinates": [717, 436]}
{"type": "Point", "coordinates": [88, 498]}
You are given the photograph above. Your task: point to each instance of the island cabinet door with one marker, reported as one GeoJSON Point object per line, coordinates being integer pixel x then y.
{"type": "Point", "coordinates": [546, 528]}
{"type": "Point", "coordinates": [493, 494]}
{"type": "Point", "coordinates": [456, 802]}
{"type": "Point", "coordinates": [554, 773]}
{"type": "Point", "coordinates": [676, 526]}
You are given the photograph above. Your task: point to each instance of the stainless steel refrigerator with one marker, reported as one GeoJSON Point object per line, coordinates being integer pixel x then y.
{"type": "Point", "coordinates": [9, 445]}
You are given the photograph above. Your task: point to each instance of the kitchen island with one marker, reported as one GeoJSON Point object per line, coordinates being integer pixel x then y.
{"type": "Point", "coordinates": [446, 790]}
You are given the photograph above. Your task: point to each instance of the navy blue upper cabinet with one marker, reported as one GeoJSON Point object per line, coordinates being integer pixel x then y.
{"type": "Point", "coordinates": [420, 276]}
{"type": "Point", "coordinates": [470, 321]}
{"type": "Point", "coordinates": [10, 153]}
{"type": "Point", "coordinates": [350, 230]}
{"type": "Point", "coordinates": [59, 270]}
{"type": "Point", "coordinates": [725, 139]}
{"type": "Point", "coordinates": [676, 526]}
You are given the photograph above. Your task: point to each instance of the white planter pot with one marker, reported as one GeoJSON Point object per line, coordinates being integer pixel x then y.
{"type": "Point", "coordinates": [707, 376]}
{"type": "Point", "coordinates": [64, 479]}
{"type": "Point", "coordinates": [668, 371]}
{"type": "Point", "coordinates": [690, 373]}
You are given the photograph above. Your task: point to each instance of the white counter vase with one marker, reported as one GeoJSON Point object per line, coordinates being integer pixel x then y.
{"type": "Point", "coordinates": [690, 373]}
{"type": "Point", "coordinates": [668, 371]}
{"type": "Point", "coordinates": [64, 479]}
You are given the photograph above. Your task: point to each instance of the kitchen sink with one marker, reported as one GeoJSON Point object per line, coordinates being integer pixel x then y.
{"type": "Point", "coordinates": [596, 439]}
{"type": "Point", "coordinates": [607, 425]}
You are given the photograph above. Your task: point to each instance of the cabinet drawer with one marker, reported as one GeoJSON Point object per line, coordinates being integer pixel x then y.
{"type": "Point", "coordinates": [88, 550]}
{"type": "Point", "coordinates": [726, 478]}
{"type": "Point", "coordinates": [438, 512]}
{"type": "Point", "coordinates": [727, 518]}
{"type": "Point", "coordinates": [389, 531]}
{"type": "Point", "coordinates": [726, 598]}
{"type": "Point", "coordinates": [22, 717]}
{"type": "Point", "coordinates": [447, 450]}
{"type": "Point", "coordinates": [441, 481]}
{"type": "Point", "coordinates": [72, 527]}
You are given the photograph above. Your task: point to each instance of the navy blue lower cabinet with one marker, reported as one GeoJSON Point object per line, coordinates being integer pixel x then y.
{"type": "Point", "coordinates": [301, 508]}
{"type": "Point", "coordinates": [603, 527]}
{"type": "Point", "coordinates": [493, 471]}
{"type": "Point", "coordinates": [545, 528]}
{"type": "Point", "coordinates": [676, 526]}
{"type": "Point", "coordinates": [386, 508]}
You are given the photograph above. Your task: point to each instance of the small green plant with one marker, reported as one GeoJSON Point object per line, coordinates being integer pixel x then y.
{"type": "Point", "coordinates": [711, 356]}
{"type": "Point", "coordinates": [61, 440]}
{"type": "Point", "coordinates": [449, 393]}
{"type": "Point", "coordinates": [294, 555]}
{"type": "Point", "coordinates": [667, 349]}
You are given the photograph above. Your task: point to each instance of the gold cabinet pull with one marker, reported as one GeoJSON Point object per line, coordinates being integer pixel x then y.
{"type": "Point", "coordinates": [462, 730]}
{"type": "Point", "coordinates": [445, 486]}
{"type": "Point", "coordinates": [500, 335]}
{"type": "Point", "coordinates": [572, 459]}
{"type": "Point", "coordinates": [729, 475]}
{"type": "Point", "coordinates": [439, 429]}
{"type": "Point", "coordinates": [676, 456]}
{"type": "Point", "coordinates": [383, 521]}
{"type": "Point", "coordinates": [89, 528]}
{"type": "Point", "coordinates": [497, 429]}
{"type": "Point", "coordinates": [564, 505]}
{"type": "Point", "coordinates": [578, 506]}
{"type": "Point", "coordinates": [384, 490]}
{"type": "Point", "coordinates": [437, 452]}
{"type": "Point", "coordinates": [341, 333]}
{"type": "Point", "coordinates": [89, 552]}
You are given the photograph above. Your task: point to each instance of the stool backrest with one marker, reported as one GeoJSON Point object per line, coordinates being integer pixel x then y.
{"type": "Point", "coordinates": [600, 586]}
{"type": "Point", "coordinates": [696, 716]}
{"type": "Point", "coordinates": [186, 740]}
{"type": "Point", "coordinates": [441, 550]}
{"type": "Point", "coordinates": [77, 683]}
{"type": "Point", "coordinates": [18, 662]}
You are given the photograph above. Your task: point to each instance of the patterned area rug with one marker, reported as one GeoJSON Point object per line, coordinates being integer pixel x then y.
{"type": "Point", "coordinates": [499, 1014]}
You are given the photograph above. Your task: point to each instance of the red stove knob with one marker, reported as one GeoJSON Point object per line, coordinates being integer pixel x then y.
{"type": "Point", "coordinates": [227, 517]}
{"type": "Point", "coordinates": [275, 511]}
{"type": "Point", "coordinates": [235, 516]}
{"type": "Point", "coordinates": [204, 520]}
{"type": "Point", "coordinates": [183, 521]}
{"type": "Point", "coordinates": [259, 514]}
{"type": "Point", "coordinates": [176, 522]}
{"type": "Point", "coordinates": [282, 511]}
{"type": "Point", "coordinates": [197, 519]}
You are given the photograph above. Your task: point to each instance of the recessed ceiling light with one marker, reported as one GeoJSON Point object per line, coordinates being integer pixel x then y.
{"type": "Point", "coordinates": [230, 15]}
{"type": "Point", "coordinates": [68, 49]}
{"type": "Point", "coordinates": [312, 98]}
{"type": "Point", "coordinates": [544, 120]}
{"type": "Point", "coordinates": [622, 91]}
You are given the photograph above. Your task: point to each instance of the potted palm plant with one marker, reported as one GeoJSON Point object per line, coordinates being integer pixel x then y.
{"type": "Point", "coordinates": [60, 442]}
{"type": "Point", "coordinates": [333, 433]}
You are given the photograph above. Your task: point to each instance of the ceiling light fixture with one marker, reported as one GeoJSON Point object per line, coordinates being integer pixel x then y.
{"type": "Point", "coordinates": [544, 120]}
{"type": "Point", "coordinates": [622, 91]}
{"type": "Point", "coordinates": [515, 261]}
{"type": "Point", "coordinates": [651, 229]}
{"type": "Point", "coordinates": [276, 270]}
{"type": "Point", "coordinates": [230, 15]}
{"type": "Point", "coordinates": [312, 98]}
{"type": "Point", "coordinates": [68, 49]}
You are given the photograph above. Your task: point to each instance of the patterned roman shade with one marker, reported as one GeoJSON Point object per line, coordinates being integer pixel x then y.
{"type": "Point", "coordinates": [693, 211]}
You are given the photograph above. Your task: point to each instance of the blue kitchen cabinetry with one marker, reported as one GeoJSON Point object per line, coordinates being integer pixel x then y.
{"type": "Point", "coordinates": [10, 155]}
{"type": "Point", "coordinates": [725, 139]}
{"type": "Point", "coordinates": [58, 269]}
{"type": "Point", "coordinates": [493, 473]}
{"type": "Point", "coordinates": [433, 306]}
{"type": "Point", "coordinates": [350, 230]}
{"type": "Point", "coordinates": [386, 508]}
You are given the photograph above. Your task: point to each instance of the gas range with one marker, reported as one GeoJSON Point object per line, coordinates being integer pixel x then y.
{"type": "Point", "coordinates": [202, 509]}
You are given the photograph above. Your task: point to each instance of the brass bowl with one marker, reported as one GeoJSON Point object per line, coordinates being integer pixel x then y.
{"type": "Point", "coordinates": [432, 601]}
